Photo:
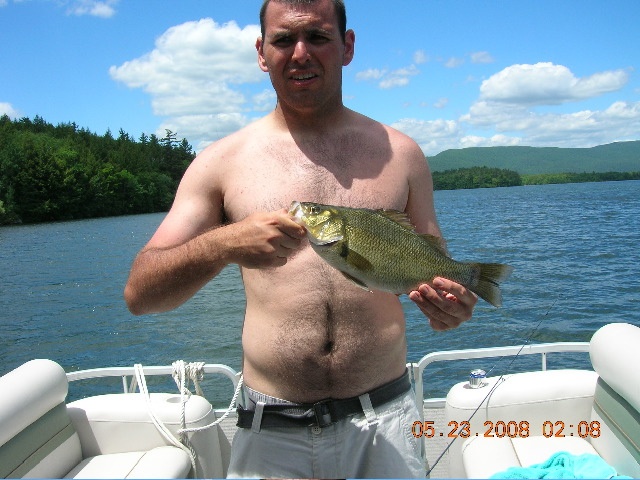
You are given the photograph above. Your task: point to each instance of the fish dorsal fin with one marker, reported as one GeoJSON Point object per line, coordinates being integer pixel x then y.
{"type": "Point", "coordinates": [436, 242]}
{"type": "Point", "coordinates": [402, 219]}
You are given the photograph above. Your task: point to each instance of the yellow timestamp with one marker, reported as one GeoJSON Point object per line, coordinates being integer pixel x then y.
{"type": "Point", "coordinates": [511, 429]}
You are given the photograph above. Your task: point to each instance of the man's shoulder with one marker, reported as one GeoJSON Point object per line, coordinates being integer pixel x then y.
{"type": "Point", "coordinates": [235, 146]}
{"type": "Point", "coordinates": [395, 136]}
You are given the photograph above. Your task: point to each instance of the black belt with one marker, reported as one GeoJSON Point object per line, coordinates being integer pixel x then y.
{"type": "Point", "coordinates": [324, 412]}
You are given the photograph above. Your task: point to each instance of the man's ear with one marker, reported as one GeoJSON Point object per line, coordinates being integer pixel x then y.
{"type": "Point", "coordinates": [349, 47]}
{"type": "Point", "coordinates": [261, 61]}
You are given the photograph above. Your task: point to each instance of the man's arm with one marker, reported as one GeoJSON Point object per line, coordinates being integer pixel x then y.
{"type": "Point", "coordinates": [445, 303]}
{"type": "Point", "coordinates": [191, 246]}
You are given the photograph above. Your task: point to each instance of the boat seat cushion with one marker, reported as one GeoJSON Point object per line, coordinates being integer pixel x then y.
{"type": "Point", "coordinates": [615, 356]}
{"type": "Point", "coordinates": [39, 439]}
{"type": "Point", "coordinates": [529, 399]}
{"type": "Point", "coordinates": [160, 462]}
{"type": "Point", "coordinates": [615, 409]}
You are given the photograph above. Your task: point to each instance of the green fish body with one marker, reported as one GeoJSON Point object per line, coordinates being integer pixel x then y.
{"type": "Point", "coordinates": [379, 249]}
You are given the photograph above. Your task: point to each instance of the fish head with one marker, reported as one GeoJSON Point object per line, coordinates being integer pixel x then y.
{"type": "Point", "coordinates": [323, 223]}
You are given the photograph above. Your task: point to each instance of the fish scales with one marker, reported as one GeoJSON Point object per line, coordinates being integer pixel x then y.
{"type": "Point", "coordinates": [400, 259]}
{"type": "Point", "coordinates": [380, 249]}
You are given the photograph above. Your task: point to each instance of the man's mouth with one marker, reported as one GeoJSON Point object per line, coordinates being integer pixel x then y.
{"type": "Point", "coordinates": [303, 76]}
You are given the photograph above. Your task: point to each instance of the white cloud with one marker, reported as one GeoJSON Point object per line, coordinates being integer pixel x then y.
{"type": "Point", "coordinates": [433, 136]}
{"type": "Point", "coordinates": [454, 62]}
{"type": "Point", "coordinates": [194, 75]}
{"type": "Point", "coordinates": [510, 124]}
{"type": "Point", "coordinates": [389, 79]}
{"type": "Point", "coordinates": [481, 57]}
{"type": "Point", "coordinates": [265, 101]}
{"type": "Point", "coordinates": [441, 103]}
{"type": "Point", "coordinates": [493, 141]}
{"type": "Point", "coordinates": [371, 74]}
{"type": "Point", "coordinates": [620, 121]}
{"type": "Point", "coordinates": [548, 84]}
{"type": "Point", "coordinates": [506, 112]}
{"type": "Point", "coordinates": [420, 57]}
{"type": "Point", "coordinates": [204, 128]}
{"type": "Point", "coordinates": [7, 109]}
{"type": "Point", "coordinates": [95, 8]}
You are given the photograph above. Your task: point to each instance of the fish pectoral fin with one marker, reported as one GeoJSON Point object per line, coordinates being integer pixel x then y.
{"type": "Point", "coordinates": [326, 241]}
{"type": "Point", "coordinates": [356, 260]}
{"type": "Point", "coordinates": [357, 282]}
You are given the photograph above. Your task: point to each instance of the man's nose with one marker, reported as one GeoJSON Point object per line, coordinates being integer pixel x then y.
{"type": "Point", "coordinates": [300, 52]}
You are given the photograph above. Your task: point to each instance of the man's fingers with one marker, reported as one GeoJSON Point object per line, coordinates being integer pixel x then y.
{"type": "Point", "coordinates": [461, 293]}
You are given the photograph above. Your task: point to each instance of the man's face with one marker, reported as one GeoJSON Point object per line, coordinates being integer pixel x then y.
{"type": "Point", "coordinates": [304, 54]}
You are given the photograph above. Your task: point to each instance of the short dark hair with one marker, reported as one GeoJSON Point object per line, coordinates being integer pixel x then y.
{"type": "Point", "coordinates": [338, 5]}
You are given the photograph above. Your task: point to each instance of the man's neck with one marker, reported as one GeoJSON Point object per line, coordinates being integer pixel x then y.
{"type": "Point", "coordinates": [311, 120]}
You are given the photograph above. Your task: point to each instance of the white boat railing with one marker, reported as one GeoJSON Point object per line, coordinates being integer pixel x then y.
{"type": "Point", "coordinates": [129, 386]}
{"type": "Point", "coordinates": [542, 349]}
{"type": "Point", "coordinates": [417, 369]}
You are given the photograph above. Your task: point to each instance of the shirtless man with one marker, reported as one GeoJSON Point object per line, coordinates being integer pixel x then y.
{"type": "Point", "coordinates": [308, 334]}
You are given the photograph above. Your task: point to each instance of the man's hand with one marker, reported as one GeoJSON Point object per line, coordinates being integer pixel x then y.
{"type": "Point", "coordinates": [266, 239]}
{"type": "Point", "coordinates": [445, 303]}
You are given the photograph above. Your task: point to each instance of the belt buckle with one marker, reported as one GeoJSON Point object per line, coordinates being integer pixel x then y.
{"type": "Point", "coordinates": [322, 413]}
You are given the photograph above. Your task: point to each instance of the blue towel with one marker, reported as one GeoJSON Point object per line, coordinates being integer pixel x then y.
{"type": "Point", "coordinates": [564, 465]}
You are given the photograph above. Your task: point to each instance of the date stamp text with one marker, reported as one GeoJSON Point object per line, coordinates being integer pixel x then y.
{"type": "Point", "coordinates": [511, 429]}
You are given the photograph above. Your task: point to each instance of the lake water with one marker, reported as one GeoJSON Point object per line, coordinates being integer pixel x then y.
{"type": "Point", "coordinates": [574, 248]}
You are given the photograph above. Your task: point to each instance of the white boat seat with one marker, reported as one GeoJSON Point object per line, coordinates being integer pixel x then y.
{"type": "Point", "coordinates": [41, 436]}
{"type": "Point", "coordinates": [607, 399]}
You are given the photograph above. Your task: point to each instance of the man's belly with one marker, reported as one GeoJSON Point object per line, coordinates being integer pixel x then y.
{"type": "Point", "coordinates": [310, 348]}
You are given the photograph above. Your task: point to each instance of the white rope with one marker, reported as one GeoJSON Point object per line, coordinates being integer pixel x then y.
{"type": "Point", "coordinates": [225, 415]}
{"type": "Point", "coordinates": [160, 426]}
{"type": "Point", "coordinates": [182, 374]}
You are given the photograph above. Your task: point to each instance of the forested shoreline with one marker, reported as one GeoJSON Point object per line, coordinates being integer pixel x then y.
{"type": "Point", "coordinates": [63, 172]}
{"type": "Point", "coordinates": [485, 177]}
{"type": "Point", "coordinates": [52, 173]}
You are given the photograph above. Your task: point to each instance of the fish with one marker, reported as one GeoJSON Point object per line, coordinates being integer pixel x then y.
{"type": "Point", "coordinates": [380, 249]}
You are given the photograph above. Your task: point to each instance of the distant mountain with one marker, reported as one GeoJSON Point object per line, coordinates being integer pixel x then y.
{"type": "Point", "coordinates": [614, 157]}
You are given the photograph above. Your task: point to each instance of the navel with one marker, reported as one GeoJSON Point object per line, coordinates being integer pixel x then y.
{"type": "Point", "coordinates": [329, 344]}
{"type": "Point", "coordinates": [328, 347]}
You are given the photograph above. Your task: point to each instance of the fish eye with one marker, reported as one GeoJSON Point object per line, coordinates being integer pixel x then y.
{"type": "Point", "coordinates": [315, 210]}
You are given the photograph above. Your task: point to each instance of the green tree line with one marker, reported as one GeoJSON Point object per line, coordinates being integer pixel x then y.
{"type": "Point", "coordinates": [549, 178]}
{"type": "Point", "coordinates": [475, 177]}
{"type": "Point", "coordinates": [63, 172]}
{"type": "Point", "coordinates": [485, 177]}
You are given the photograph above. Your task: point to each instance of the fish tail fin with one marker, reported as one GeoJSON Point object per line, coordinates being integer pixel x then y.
{"type": "Point", "coordinates": [489, 278]}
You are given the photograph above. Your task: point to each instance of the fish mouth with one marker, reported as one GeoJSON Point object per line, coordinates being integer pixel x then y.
{"type": "Point", "coordinates": [295, 210]}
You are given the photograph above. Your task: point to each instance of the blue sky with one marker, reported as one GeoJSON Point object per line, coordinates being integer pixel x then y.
{"type": "Point", "coordinates": [450, 74]}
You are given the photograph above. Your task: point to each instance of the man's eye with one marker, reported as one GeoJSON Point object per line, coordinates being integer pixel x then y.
{"type": "Point", "coordinates": [318, 39]}
{"type": "Point", "coordinates": [282, 41]}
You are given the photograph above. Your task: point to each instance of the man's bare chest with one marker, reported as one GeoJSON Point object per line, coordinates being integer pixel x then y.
{"type": "Point", "coordinates": [274, 181]}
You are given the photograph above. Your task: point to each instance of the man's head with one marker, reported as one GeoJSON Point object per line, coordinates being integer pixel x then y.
{"type": "Point", "coordinates": [304, 51]}
{"type": "Point", "coordinates": [341, 13]}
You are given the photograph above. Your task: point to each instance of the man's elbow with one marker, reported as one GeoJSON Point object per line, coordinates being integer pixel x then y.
{"type": "Point", "coordinates": [134, 302]}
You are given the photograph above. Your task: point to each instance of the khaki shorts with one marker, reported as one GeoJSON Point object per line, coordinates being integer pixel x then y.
{"type": "Point", "coordinates": [375, 444]}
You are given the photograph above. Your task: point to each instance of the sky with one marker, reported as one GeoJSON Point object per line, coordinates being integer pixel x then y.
{"type": "Point", "coordinates": [451, 74]}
